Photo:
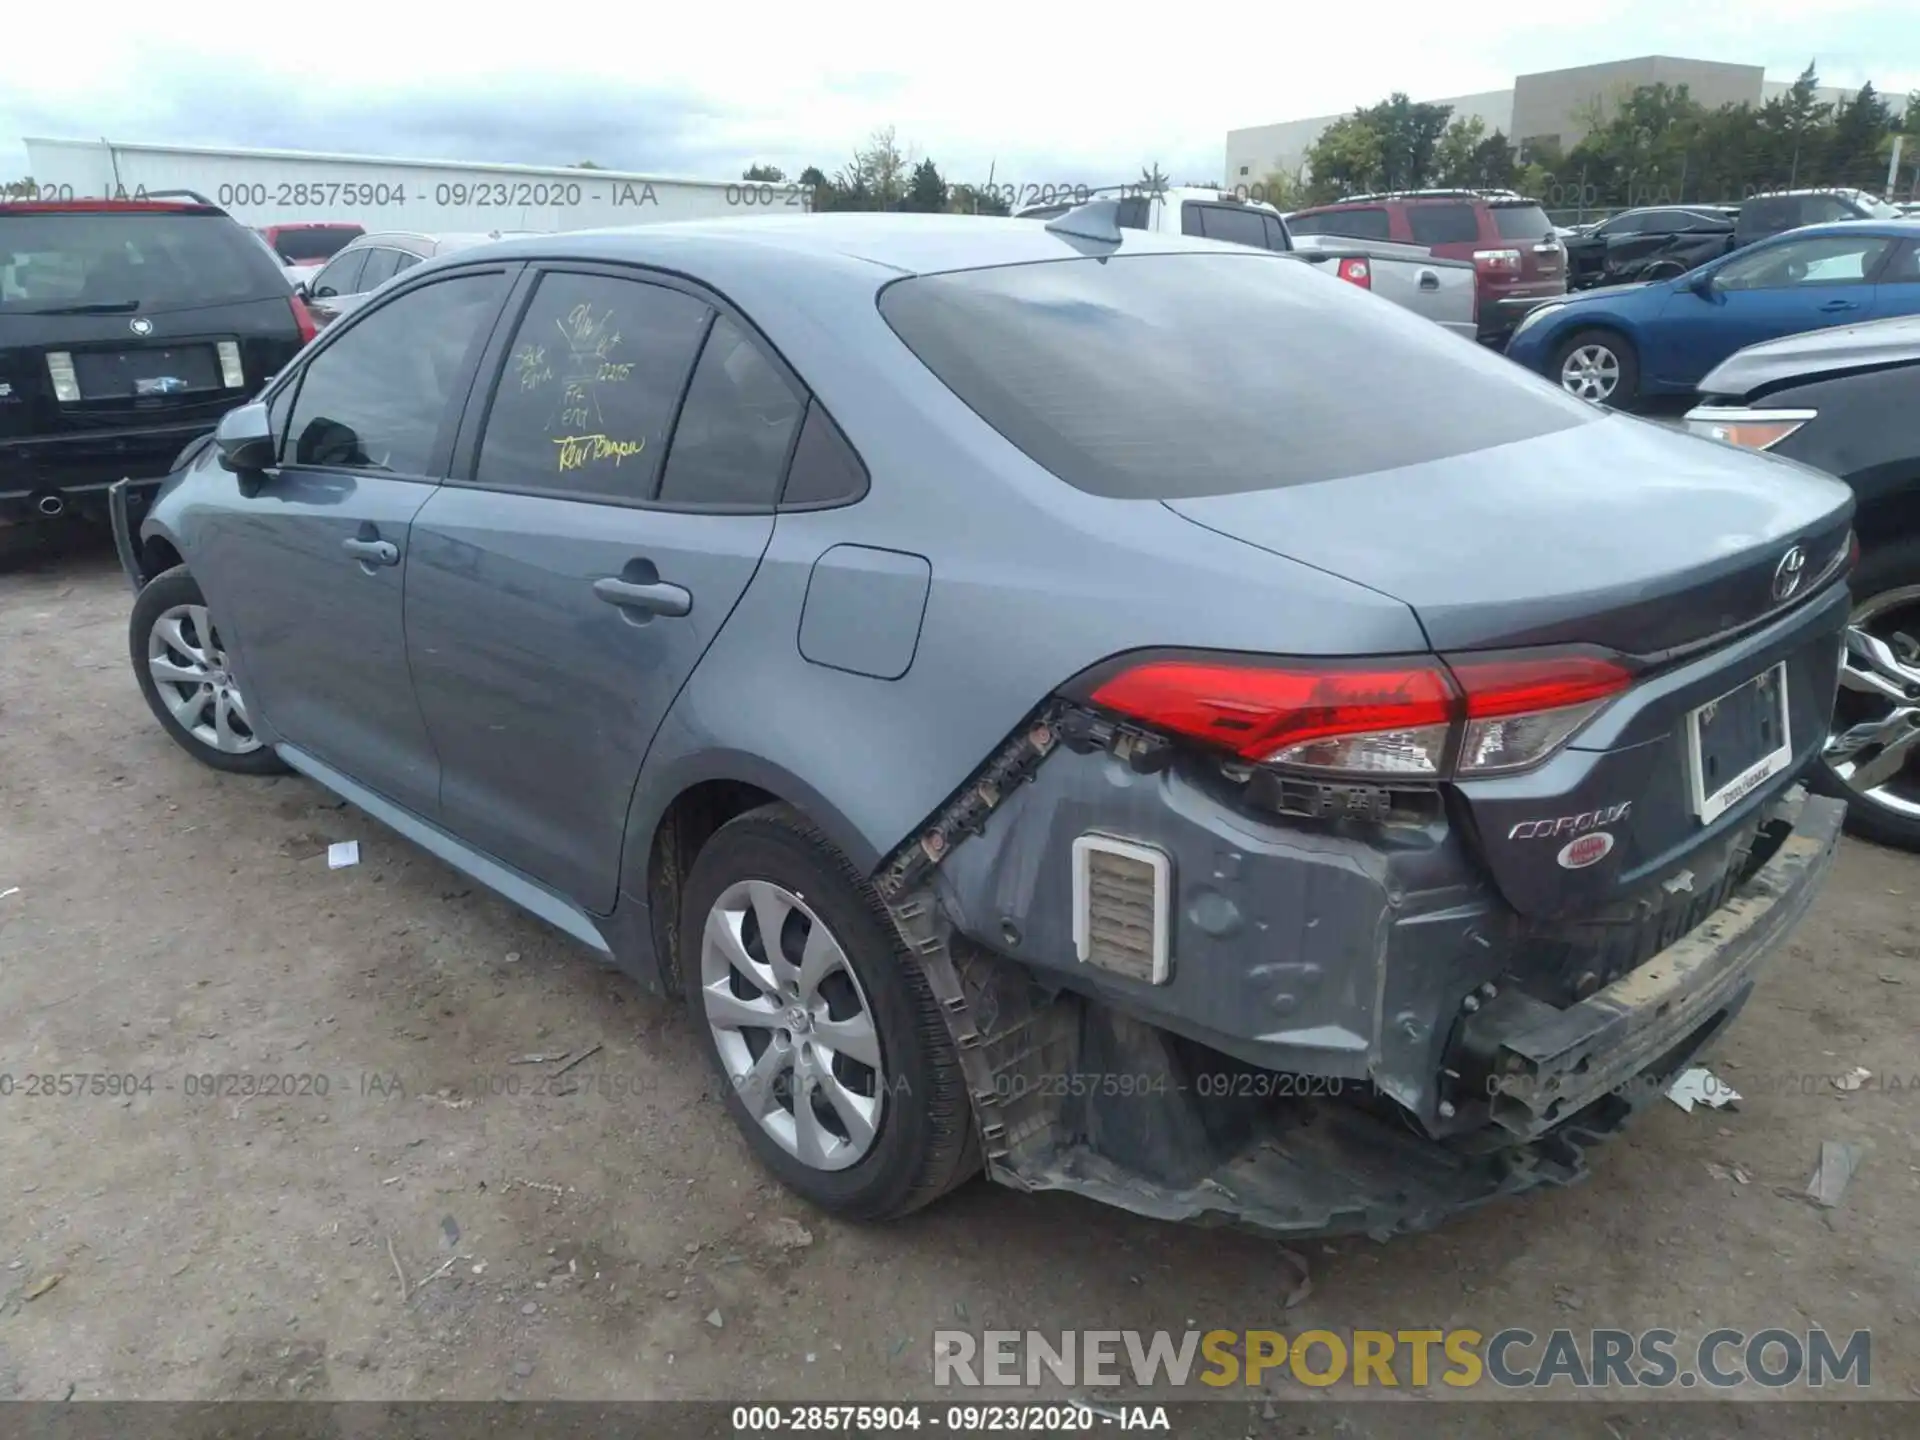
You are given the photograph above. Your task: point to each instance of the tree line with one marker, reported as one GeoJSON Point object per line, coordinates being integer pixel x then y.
{"type": "Point", "coordinates": [1654, 144]}
{"type": "Point", "coordinates": [882, 176]}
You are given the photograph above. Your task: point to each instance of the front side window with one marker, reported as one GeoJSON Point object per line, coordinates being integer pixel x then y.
{"type": "Point", "coordinates": [591, 384]}
{"type": "Point", "coordinates": [1817, 260]}
{"type": "Point", "coordinates": [341, 275]}
{"type": "Point", "coordinates": [374, 398]}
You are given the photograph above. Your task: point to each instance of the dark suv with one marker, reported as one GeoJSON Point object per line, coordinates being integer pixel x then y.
{"type": "Point", "coordinates": [127, 328]}
{"type": "Point", "coordinates": [1515, 253]}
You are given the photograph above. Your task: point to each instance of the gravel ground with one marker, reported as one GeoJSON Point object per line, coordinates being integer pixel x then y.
{"type": "Point", "coordinates": [445, 1222]}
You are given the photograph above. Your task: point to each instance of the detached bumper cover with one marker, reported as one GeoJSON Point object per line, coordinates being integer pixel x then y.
{"type": "Point", "coordinates": [1551, 1063]}
{"type": "Point", "coordinates": [1072, 1094]}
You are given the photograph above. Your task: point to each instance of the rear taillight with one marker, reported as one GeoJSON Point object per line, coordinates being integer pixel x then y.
{"type": "Point", "coordinates": [1416, 719]}
{"type": "Point", "coordinates": [1355, 271]}
{"type": "Point", "coordinates": [303, 318]}
{"type": "Point", "coordinates": [1497, 262]}
{"type": "Point", "coordinates": [66, 385]}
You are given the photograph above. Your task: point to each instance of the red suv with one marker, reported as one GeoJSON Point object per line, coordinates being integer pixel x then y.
{"type": "Point", "coordinates": [1516, 255]}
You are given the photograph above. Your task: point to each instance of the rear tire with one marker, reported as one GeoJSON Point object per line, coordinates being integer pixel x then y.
{"type": "Point", "coordinates": [1597, 365]}
{"type": "Point", "coordinates": [1886, 591]}
{"type": "Point", "coordinates": [873, 1142]}
{"type": "Point", "coordinates": [182, 670]}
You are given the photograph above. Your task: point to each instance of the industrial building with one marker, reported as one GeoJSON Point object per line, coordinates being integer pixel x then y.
{"type": "Point", "coordinates": [1546, 105]}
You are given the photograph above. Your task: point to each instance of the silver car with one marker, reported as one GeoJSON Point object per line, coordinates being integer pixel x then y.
{"type": "Point", "coordinates": [368, 262]}
{"type": "Point", "coordinates": [1139, 715]}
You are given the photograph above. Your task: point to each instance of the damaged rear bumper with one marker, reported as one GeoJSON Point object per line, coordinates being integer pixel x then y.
{"type": "Point", "coordinates": [1071, 1093]}
{"type": "Point", "coordinates": [1548, 1063]}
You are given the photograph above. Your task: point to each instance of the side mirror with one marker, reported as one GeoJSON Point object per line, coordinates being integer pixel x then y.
{"type": "Point", "coordinates": [325, 292]}
{"type": "Point", "coordinates": [300, 289]}
{"type": "Point", "coordinates": [244, 438]}
{"type": "Point", "coordinates": [1701, 284]}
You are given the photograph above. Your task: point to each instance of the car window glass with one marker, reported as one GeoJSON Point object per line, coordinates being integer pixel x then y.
{"type": "Point", "coordinates": [381, 263]}
{"type": "Point", "coordinates": [591, 383]}
{"type": "Point", "coordinates": [1820, 209]}
{"type": "Point", "coordinates": [735, 428]}
{"type": "Point", "coordinates": [1235, 225]}
{"type": "Point", "coordinates": [825, 469]}
{"type": "Point", "coordinates": [406, 261]}
{"type": "Point", "coordinates": [1276, 233]}
{"type": "Point", "coordinates": [1656, 222]}
{"type": "Point", "coordinates": [131, 260]}
{"type": "Point", "coordinates": [1905, 269]}
{"type": "Point", "coordinates": [1817, 260]}
{"type": "Point", "coordinates": [1519, 222]}
{"type": "Point", "coordinates": [1169, 375]}
{"type": "Point", "coordinates": [1444, 224]}
{"type": "Point", "coordinates": [1190, 219]}
{"type": "Point", "coordinates": [1132, 213]}
{"type": "Point", "coordinates": [1369, 223]}
{"type": "Point", "coordinates": [374, 398]}
{"type": "Point", "coordinates": [341, 275]}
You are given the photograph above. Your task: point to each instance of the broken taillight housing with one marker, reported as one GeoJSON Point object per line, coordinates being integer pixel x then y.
{"type": "Point", "coordinates": [1421, 718]}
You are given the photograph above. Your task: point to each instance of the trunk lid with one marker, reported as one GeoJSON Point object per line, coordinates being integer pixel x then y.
{"type": "Point", "coordinates": [1630, 537]}
{"type": "Point", "coordinates": [1620, 533]}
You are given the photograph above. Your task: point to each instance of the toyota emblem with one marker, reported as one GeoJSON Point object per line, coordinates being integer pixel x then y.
{"type": "Point", "coordinates": [140, 325]}
{"type": "Point", "coordinates": [1787, 574]}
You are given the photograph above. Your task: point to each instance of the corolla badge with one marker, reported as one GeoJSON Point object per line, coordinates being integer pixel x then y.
{"type": "Point", "coordinates": [140, 325]}
{"type": "Point", "coordinates": [1788, 574]}
{"type": "Point", "coordinates": [1589, 849]}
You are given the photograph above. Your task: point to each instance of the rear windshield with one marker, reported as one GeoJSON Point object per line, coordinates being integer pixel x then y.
{"type": "Point", "coordinates": [130, 261]}
{"type": "Point", "coordinates": [1521, 222]}
{"type": "Point", "coordinates": [311, 246]}
{"type": "Point", "coordinates": [1166, 376]}
{"type": "Point", "coordinates": [1368, 224]}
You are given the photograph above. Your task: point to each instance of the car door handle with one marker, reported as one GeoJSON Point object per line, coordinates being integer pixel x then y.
{"type": "Point", "coordinates": [1429, 280]}
{"type": "Point", "coordinates": [659, 598]}
{"type": "Point", "coordinates": [1840, 305]}
{"type": "Point", "coordinates": [372, 552]}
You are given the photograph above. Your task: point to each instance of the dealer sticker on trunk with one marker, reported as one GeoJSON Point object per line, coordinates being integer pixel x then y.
{"type": "Point", "coordinates": [1589, 849]}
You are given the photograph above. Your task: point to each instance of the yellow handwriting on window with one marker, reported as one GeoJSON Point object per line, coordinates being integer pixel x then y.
{"type": "Point", "coordinates": [578, 451]}
{"type": "Point", "coordinates": [530, 366]}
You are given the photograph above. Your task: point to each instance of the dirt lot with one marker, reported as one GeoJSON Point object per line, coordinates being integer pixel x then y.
{"type": "Point", "coordinates": [160, 920]}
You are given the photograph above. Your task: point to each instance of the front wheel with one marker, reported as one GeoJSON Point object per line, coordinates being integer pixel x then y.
{"type": "Point", "coordinates": [1598, 365]}
{"type": "Point", "coordinates": [833, 1056]}
{"type": "Point", "coordinates": [1872, 755]}
{"type": "Point", "coordinates": [182, 669]}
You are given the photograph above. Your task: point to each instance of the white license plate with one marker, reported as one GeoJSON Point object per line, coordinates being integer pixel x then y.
{"type": "Point", "coordinates": [1736, 742]}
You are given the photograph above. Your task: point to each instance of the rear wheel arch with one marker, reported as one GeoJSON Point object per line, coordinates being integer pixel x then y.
{"type": "Point", "coordinates": [158, 555]}
{"type": "Point", "coordinates": [666, 836]}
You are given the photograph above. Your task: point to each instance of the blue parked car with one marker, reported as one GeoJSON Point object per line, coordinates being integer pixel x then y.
{"type": "Point", "coordinates": [1659, 338]}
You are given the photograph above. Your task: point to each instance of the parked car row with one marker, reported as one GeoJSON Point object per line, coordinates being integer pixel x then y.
{"type": "Point", "coordinates": [874, 631]}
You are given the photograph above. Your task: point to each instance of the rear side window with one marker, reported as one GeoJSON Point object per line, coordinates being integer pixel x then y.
{"type": "Point", "coordinates": [381, 266]}
{"type": "Point", "coordinates": [341, 276]}
{"type": "Point", "coordinates": [1165, 376]}
{"type": "Point", "coordinates": [1522, 222]}
{"type": "Point", "coordinates": [1770, 215]}
{"type": "Point", "coordinates": [1233, 224]}
{"type": "Point", "coordinates": [131, 261]}
{"type": "Point", "coordinates": [375, 398]}
{"type": "Point", "coordinates": [1448, 224]}
{"type": "Point", "coordinates": [1369, 223]}
{"type": "Point", "coordinates": [592, 380]}
{"type": "Point", "coordinates": [826, 470]}
{"type": "Point", "coordinates": [736, 426]}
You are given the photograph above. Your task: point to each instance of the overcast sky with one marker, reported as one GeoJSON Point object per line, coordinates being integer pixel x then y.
{"type": "Point", "coordinates": [1074, 94]}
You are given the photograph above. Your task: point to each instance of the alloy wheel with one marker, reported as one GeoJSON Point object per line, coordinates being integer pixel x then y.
{"type": "Point", "coordinates": [1876, 730]}
{"type": "Point", "coordinates": [792, 1025]}
{"type": "Point", "coordinates": [1590, 372]}
{"type": "Point", "coordinates": [194, 682]}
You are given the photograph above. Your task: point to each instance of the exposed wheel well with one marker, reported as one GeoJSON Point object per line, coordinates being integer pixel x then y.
{"type": "Point", "coordinates": [687, 825]}
{"type": "Point", "coordinates": [158, 555]}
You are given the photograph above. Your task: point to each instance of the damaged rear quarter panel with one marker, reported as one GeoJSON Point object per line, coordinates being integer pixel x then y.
{"type": "Point", "coordinates": [1294, 947]}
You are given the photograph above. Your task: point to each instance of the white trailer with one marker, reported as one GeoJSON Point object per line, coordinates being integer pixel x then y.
{"type": "Point", "coordinates": [277, 187]}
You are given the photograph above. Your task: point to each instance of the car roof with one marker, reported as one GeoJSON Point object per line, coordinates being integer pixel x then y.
{"type": "Point", "coordinates": [899, 244]}
{"type": "Point", "coordinates": [108, 207]}
{"type": "Point", "coordinates": [1891, 229]}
